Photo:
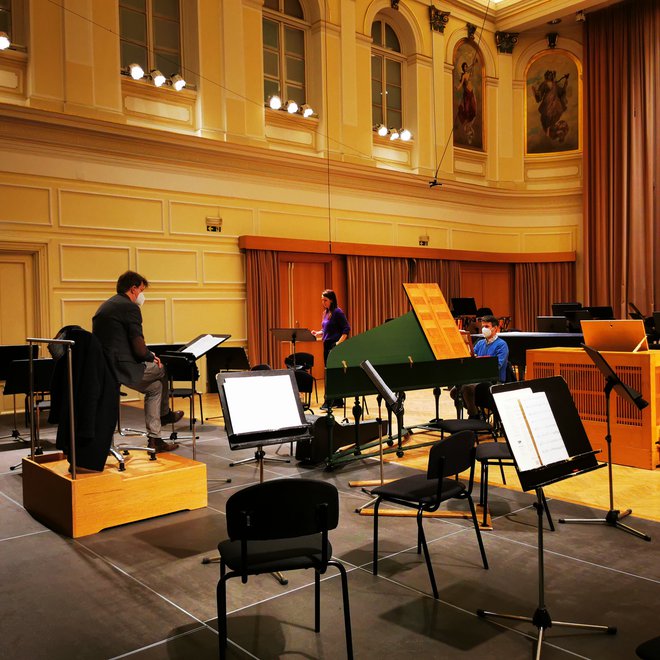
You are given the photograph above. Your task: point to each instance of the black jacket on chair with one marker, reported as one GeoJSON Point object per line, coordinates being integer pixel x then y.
{"type": "Point", "coordinates": [95, 400]}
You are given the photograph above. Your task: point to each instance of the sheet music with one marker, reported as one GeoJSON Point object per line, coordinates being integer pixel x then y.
{"type": "Point", "coordinates": [274, 396]}
{"type": "Point", "coordinates": [203, 345]}
{"type": "Point", "coordinates": [531, 428]}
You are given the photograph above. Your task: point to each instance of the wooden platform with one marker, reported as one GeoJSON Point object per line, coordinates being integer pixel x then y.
{"type": "Point", "coordinates": [93, 502]}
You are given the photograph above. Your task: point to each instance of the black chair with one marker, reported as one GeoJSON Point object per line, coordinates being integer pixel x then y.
{"type": "Point", "coordinates": [281, 525]}
{"type": "Point", "coordinates": [305, 383]}
{"type": "Point", "coordinates": [181, 371]}
{"type": "Point", "coordinates": [425, 492]}
{"type": "Point", "coordinates": [649, 650]}
{"type": "Point", "coordinates": [304, 362]}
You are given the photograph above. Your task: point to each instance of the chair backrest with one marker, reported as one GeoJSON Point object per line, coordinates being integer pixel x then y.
{"type": "Point", "coordinates": [303, 360]}
{"type": "Point", "coordinates": [304, 381]}
{"type": "Point", "coordinates": [261, 367]}
{"type": "Point", "coordinates": [483, 398]}
{"type": "Point", "coordinates": [451, 455]}
{"type": "Point", "coordinates": [282, 508]}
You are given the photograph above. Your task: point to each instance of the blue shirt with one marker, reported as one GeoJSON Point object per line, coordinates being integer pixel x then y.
{"type": "Point", "coordinates": [499, 349]}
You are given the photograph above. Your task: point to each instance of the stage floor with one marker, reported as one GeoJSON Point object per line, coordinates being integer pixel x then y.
{"type": "Point", "coordinates": [141, 591]}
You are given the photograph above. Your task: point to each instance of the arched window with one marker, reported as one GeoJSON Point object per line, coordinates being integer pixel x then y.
{"type": "Point", "coordinates": [284, 30]}
{"type": "Point", "coordinates": [386, 76]}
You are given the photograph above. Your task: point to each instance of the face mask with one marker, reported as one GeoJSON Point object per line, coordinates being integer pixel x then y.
{"type": "Point", "coordinates": [140, 299]}
{"type": "Point", "coordinates": [486, 332]}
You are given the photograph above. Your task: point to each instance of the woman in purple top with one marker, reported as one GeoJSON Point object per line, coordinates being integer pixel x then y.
{"type": "Point", "coordinates": [334, 326]}
{"type": "Point", "coordinates": [334, 330]}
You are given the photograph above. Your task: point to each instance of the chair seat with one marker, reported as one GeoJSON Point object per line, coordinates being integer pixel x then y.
{"type": "Point", "coordinates": [456, 425]}
{"type": "Point", "coordinates": [275, 555]}
{"type": "Point", "coordinates": [493, 451]}
{"type": "Point", "coordinates": [417, 488]}
{"type": "Point", "coordinates": [182, 392]}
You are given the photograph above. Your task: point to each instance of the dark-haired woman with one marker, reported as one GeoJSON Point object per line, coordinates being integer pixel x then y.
{"type": "Point", "coordinates": [334, 327]}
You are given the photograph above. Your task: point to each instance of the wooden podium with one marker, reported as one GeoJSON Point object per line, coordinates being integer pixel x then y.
{"type": "Point", "coordinates": [93, 502]}
{"type": "Point", "coordinates": [635, 433]}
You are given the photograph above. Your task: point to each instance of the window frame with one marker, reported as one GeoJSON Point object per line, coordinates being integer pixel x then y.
{"type": "Point", "coordinates": [150, 45]}
{"type": "Point", "coordinates": [283, 21]}
{"type": "Point", "coordinates": [386, 54]}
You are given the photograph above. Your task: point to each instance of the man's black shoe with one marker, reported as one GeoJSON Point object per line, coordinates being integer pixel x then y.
{"type": "Point", "coordinates": [172, 417]}
{"type": "Point", "coordinates": [161, 445]}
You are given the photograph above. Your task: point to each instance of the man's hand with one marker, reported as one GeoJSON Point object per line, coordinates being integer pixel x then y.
{"type": "Point", "coordinates": [158, 362]}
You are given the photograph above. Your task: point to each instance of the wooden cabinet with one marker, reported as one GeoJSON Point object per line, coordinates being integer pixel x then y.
{"type": "Point", "coordinates": [635, 433]}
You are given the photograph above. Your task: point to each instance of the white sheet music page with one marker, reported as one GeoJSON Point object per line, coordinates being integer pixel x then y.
{"type": "Point", "coordinates": [202, 345]}
{"type": "Point", "coordinates": [517, 430]}
{"type": "Point", "coordinates": [261, 403]}
{"type": "Point", "coordinates": [545, 432]}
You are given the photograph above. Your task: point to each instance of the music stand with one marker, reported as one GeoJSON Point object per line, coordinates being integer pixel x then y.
{"type": "Point", "coordinates": [293, 335]}
{"type": "Point", "coordinates": [612, 382]}
{"type": "Point", "coordinates": [549, 444]}
{"type": "Point", "coordinates": [7, 355]}
{"type": "Point", "coordinates": [282, 419]}
{"type": "Point", "coordinates": [224, 358]}
{"type": "Point", "coordinates": [188, 356]}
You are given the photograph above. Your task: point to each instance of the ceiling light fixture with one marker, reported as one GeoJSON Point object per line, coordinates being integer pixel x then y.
{"type": "Point", "coordinates": [136, 71]}
{"type": "Point", "coordinates": [381, 129]}
{"type": "Point", "coordinates": [291, 107]}
{"type": "Point", "coordinates": [274, 102]}
{"type": "Point", "coordinates": [177, 82]}
{"type": "Point", "coordinates": [405, 135]}
{"type": "Point", "coordinates": [394, 134]}
{"type": "Point", "coordinates": [158, 78]}
{"type": "Point", "coordinates": [306, 110]}
{"type": "Point", "coordinates": [5, 42]}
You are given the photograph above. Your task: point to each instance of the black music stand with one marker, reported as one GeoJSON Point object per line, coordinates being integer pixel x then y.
{"type": "Point", "coordinates": [21, 373]}
{"type": "Point", "coordinates": [293, 335]}
{"type": "Point", "coordinates": [612, 382]}
{"type": "Point", "coordinates": [282, 420]}
{"type": "Point", "coordinates": [224, 358]}
{"type": "Point", "coordinates": [538, 463]}
{"type": "Point", "coordinates": [7, 355]}
{"type": "Point", "coordinates": [188, 356]}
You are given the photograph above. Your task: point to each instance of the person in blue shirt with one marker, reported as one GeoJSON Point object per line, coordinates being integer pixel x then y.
{"type": "Point", "coordinates": [490, 345]}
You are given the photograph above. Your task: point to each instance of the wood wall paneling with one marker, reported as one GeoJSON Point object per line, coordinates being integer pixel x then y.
{"type": "Point", "coordinates": [87, 263]}
{"type": "Point", "coordinates": [114, 212]}
{"type": "Point", "coordinates": [25, 204]}
{"type": "Point", "coordinates": [164, 265]}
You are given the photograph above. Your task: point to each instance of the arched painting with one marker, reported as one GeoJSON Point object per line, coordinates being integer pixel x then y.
{"type": "Point", "coordinates": [553, 104]}
{"type": "Point", "coordinates": [468, 97]}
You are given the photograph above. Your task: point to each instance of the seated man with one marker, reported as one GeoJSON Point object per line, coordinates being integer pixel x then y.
{"type": "Point", "coordinates": [118, 326]}
{"type": "Point", "coordinates": [490, 345]}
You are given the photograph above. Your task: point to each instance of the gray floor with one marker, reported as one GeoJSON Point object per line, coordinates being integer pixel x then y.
{"type": "Point", "coordinates": [141, 591]}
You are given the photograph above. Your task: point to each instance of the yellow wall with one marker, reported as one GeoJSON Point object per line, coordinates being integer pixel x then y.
{"type": "Point", "coordinates": [104, 173]}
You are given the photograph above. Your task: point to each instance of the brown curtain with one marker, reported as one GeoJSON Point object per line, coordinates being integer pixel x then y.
{"type": "Point", "coordinates": [536, 287]}
{"type": "Point", "coordinates": [621, 228]}
{"type": "Point", "coordinates": [263, 290]}
{"type": "Point", "coordinates": [375, 290]}
{"type": "Point", "coordinates": [445, 273]}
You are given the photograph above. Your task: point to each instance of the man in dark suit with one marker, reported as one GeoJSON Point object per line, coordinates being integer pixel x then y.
{"type": "Point", "coordinates": [118, 326]}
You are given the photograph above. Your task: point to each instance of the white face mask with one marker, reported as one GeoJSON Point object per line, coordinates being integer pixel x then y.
{"type": "Point", "coordinates": [140, 299]}
{"type": "Point", "coordinates": [487, 332]}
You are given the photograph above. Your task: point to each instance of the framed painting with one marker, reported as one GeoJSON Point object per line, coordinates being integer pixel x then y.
{"type": "Point", "coordinates": [552, 100]}
{"type": "Point", "coordinates": [468, 96]}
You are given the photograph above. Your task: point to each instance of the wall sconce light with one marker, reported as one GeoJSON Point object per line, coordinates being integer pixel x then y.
{"type": "Point", "coordinates": [177, 82]}
{"type": "Point", "coordinates": [394, 134]}
{"type": "Point", "coordinates": [291, 107]}
{"type": "Point", "coordinates": [158, 78]}
{"type": "Point", "coordinates": [274, 102]}
{"type": "Point", "coordinates": [136, 71]}
{"type": "Point", "coordinates": [4, 41]}
{"type": "Point", "coordinates": [381, 129]}
{"type": "Point", "coordinates": [306, 110]}
{"type": "Point", "coordinates": [405, 135]}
